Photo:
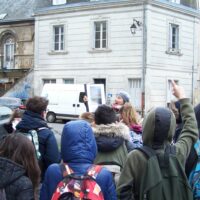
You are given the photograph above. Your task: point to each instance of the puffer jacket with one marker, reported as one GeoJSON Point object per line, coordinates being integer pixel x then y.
{"type": "Point", "coordinates": [14, 181]}
{"type": "Point", "coordinates": [47, 142]}
{"type": "Point", "coordinates": [113, 142]}
{"type": "Point", "coordinates": [159, 121]}
{"type": "Point", "coordinates": [78, 150]}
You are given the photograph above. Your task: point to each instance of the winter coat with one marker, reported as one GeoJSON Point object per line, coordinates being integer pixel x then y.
{"type": "Point", "coordinates": [47, 142]}
{"type": "Point", "coordinates": [14, 180]}
{"type": "Point", "coordinates": [136, 162]}
{"type": "Point", "coordinates": [78, 150]}
{"type": "Point", "coordinates": [113, 142]}
{"type": "Point", "coordinates": [193, 158]}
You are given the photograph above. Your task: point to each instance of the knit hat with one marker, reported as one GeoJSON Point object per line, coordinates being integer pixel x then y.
{"type": "Point", "coordinates": [124, 95]}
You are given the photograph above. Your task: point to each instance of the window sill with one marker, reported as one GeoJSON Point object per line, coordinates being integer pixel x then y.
{"type": "Point", "coordinates": [57, 52]}
{"type": "Point", "coordinates": [174, 52]}
{"type": "Point", "coordinates": [99, 51]}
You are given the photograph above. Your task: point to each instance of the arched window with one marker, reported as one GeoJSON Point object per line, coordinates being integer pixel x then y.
{"type": "Point", "coordinates": [9, 48]}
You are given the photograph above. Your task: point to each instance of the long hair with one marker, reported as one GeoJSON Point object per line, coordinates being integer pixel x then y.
{"type": "Point", "coordinates": [20, 149]}
{"type": "Point", "coordinates": [128, 114]}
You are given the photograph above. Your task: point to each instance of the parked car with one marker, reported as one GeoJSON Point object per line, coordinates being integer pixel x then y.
{"type": "Point", "coordinates": [12, 103]}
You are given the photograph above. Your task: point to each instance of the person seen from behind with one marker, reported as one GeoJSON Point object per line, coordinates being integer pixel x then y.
{"type": "Point", "coordinates": [112, 137]}
{"type": "Point", "coordinates": [129, 116]}
{"type": "Point", "coordinates": [19, 170]}
{"type": "Point", "coordinates": [78, 151]}
{"type": "Point", "coordinates": [34, 119]}
{"type": "Point", "coordinates": [158, 129]}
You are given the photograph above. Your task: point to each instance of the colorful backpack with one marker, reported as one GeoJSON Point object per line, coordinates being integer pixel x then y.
{"type": "Point", "coordinates": [76, 187]}
{"type": "Point", "coordinates": [194, 178]}
{"type": "Point", "coordinates": [164, 177]}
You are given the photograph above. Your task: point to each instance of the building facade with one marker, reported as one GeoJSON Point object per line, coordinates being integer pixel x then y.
{"type": "Point", "coordinates": [91, 42]}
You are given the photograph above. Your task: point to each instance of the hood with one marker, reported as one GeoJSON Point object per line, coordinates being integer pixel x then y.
{"type": "Point", "coordinates": [31, 120]}
{"type": "Point", "coordinates": [197, 114]}
{"type": "Point", "coordinates": [112, 130]}
{"type": "Point", "coordinates": [9, 172]}
{"type": "Point", "coordinates": [78, 144]}
{"type": "Point", "coordinates": [158, 127]}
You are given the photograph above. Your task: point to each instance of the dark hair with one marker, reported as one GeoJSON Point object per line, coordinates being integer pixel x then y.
{"type": "Point", "coordinates": [104, 115]}
{"type": "Point", "coordinates": [37, 104]}
{"type": "Point", "coordinates": [20, 149]}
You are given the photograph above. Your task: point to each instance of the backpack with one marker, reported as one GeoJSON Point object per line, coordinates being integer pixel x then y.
{"type": "Point", "coordinates": [194, 177]}
{"type": "Point", "coordinates": [164, 177]}
{"type": "Point", "coordinates": [76, 187]}
{"type": "Point", "coordinates": [32, 135]}
{"type": "Point", "coordinates": [2, 194]}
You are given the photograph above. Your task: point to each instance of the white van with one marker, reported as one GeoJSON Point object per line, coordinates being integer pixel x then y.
{"type": "Point", "coordinates": [66, 100]}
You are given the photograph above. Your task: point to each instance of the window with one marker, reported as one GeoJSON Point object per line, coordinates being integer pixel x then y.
{"type": "Point", "coordinates": [58, 34]}
{"type": "Point", "coordinates": [169, 90]}
{"type": "Point", "coordinates": [100, 32]}
{"type": "Point", "coordinates": [49, 81]}
{"type": "Point", "coordinates": [174, 37]}
{"type": "Point", "coordinates": [59, 2]}
{"type": "Point", "coordinates": [176, 1]}
{"type": "Point", "coordinates": [9, 48]}
{"type": "Point", "coordinates": [68, 81]}
{"type": "Point", "coordinates": [100, 81]}
{"type": "Point", "coordinates": [135, 91]}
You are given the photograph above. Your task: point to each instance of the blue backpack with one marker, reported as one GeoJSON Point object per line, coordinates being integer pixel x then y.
{"type": "Point", "coordinates": [194, 177]}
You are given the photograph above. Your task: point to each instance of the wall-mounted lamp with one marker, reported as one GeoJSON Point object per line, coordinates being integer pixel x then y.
{"type": "Point", "coordinates": [136, 24]}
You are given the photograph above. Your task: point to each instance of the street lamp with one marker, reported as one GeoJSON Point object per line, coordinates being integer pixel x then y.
{"type": "Point", "coordinates": [136, 24]}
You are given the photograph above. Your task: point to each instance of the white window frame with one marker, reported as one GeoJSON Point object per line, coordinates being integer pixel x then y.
{"type": "Point", "coordinates": [60, 34]}
{"type": "Point", "coordinates": [71, 80]}
{"type": "Point", "coordinates": [48, 80]}
{"type": "Point", "coordinates": [175, 1]}
{"type": "Point", "coordinates": [59, 2]}
{"type": "Point", "coordinates": [101, 34]}
{"type": "Point", "coordinates": [9, 43]}
{"type": "Point", "coordinates": [135, 91]}
{"type": "Point", "coordinates": [174, 47]}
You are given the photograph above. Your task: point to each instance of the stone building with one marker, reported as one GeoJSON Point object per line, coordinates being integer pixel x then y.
{"type": "Point", "coordinates": [91, 42]}
{"type": "Point", "coordinates": [17, 28]}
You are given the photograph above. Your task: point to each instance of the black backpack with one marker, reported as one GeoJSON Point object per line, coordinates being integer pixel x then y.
{"type": "Point", "coordinates": [164, 177]}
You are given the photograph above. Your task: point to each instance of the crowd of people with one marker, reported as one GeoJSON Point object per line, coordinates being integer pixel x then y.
{"type": "Point", "coordinates": [113, 145]}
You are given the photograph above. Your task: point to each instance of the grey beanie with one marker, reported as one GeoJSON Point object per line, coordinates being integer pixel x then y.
{"type": "Point", "coordinates": [124, 95]}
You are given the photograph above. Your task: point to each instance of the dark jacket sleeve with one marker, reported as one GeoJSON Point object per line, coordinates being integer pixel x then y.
{"type": "Point", "coordinates": [24, 189]}
{"type": "Point", "coordinates": [51, 154]}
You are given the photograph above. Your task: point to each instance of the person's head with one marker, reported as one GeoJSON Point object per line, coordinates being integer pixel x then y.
{"type": "Point", "coordinates": [104, 115]}
{"type": "Point", "coordinates": [158, 127]}
{"type": "Point", "coordinates": [122, 97]}
{"type": "Point", "coordinates": [175, 107]}
{"type": "Point", "coordinates": [20, 150]}
{"type": "Point", "coordinates": [128, 114]}
{"type": "Point", "coordinates": [87, 116]}
{"type": "Point", "coordinates": [78, 144]}
{"type": "Point", "coordinates": [37, 104]}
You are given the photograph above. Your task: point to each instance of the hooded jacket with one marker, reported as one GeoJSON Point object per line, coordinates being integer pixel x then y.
{"type": "Point", "coordinates": [113, 142]}
{"type": "Point", "coordinates": [159, 125]}
{"type": "Point", "coordinates": [13, 179]}
{"type": "Point", "coordinates": [78, 150]}
{"type": "Point", "coordinates": [47, 142]}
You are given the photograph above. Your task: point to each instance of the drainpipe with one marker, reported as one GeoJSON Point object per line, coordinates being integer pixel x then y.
{"type": "Point", "coordinates": [193, 62]}
{"type": "Point", "coordinates": [144, 58]}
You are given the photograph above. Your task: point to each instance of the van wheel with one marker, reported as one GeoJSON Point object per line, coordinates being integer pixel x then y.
{"type": "Point", "coordinates": [51, 117]}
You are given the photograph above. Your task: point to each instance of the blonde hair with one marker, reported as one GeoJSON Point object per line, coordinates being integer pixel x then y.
{"type": "Point", "coordinates": [87, 116]}
{"type": "Point", "coordinates": [129, 114]}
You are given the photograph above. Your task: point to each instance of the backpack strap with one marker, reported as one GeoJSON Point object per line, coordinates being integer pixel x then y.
{"type": "Point", "coordinates": [65, 169]}
{"type": "Point", "coordinates": [93, 171]}
{"type": "Point", "coordinates": [149, 152]}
